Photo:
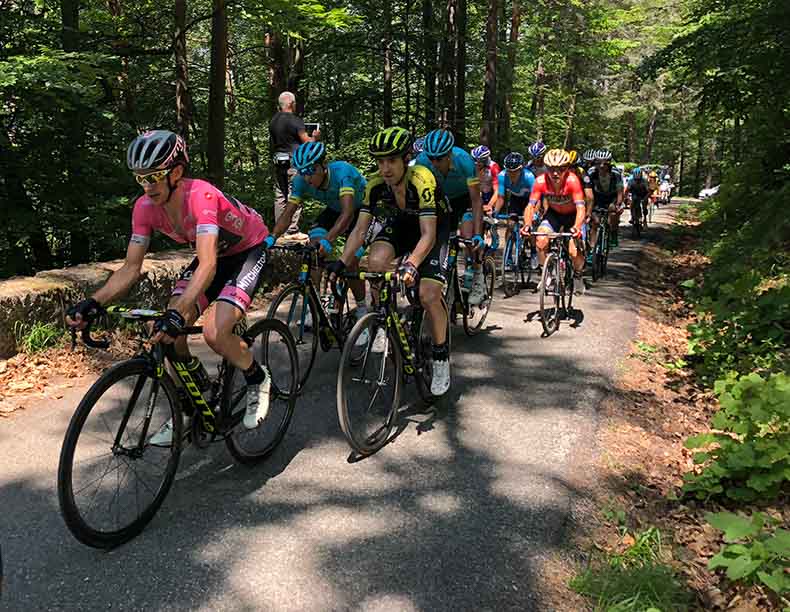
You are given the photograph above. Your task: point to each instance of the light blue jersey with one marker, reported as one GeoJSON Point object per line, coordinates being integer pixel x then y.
{"type": "Point", "coordinates": [521, 188]}
{"type": "Point", "coordinates": [462, 175]}
{"type": "Point", "coordinates": [344, 179]}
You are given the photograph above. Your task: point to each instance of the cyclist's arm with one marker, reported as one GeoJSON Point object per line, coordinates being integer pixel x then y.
{"type": "Point", "coordinates": [284, 222]}
{"type": "Point", "coordinates": [206, 247]}
{"type": "Point", "coordinates": [477, 207]}
{"type": "Point", "coordinates": [345, 219]}
{"type": "Point", "coordinates": [500, 203]}
{"type": "Point", "coordinates": [357, 237]}
{"type": "Point", "coordinates": [426, 241]}
{"type": "Point", "coordinates": [124, 277]}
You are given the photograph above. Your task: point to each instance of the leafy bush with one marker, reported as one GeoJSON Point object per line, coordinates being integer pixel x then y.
{"type": "Point", "coordinates": [37, 337]}
{"type": "Point", "coordinates": [750, 457]}
{"type": "Point", "coordinates": [751, 551]}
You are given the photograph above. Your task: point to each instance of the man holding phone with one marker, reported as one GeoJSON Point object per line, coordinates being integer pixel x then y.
{"type": "Point", "coordinates": [287, 131]}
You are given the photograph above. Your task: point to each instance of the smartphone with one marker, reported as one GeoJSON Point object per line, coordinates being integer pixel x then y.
{"type": "Point", "coordinates": [310, 127]}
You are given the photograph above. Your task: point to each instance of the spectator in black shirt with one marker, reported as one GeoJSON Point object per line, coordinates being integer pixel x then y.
{"type": "Point", "coordinates": [287, 132]}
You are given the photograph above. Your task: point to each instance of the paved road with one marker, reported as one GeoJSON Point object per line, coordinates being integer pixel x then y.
{"type": "Point", "coordinates": [458, 513]}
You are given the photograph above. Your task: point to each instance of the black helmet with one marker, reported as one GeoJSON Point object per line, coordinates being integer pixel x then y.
{"type": "Point", "coordinates": [514, 161]}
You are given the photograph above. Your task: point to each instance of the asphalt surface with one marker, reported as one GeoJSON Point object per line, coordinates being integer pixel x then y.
{"type": "Point", "coordinates": [459, 512]}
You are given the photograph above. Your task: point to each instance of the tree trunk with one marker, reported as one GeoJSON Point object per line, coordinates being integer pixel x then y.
{"type": "Point", "coordinates": [633, 154]}
{"type": "Point", "coordinates": [448, 45]}
{"type": "Point", "coordinates": [460, 77]}
{"type": "Point", "coordinates": [540, 99]}
{"type": "Point", "coordinates": [429, 61]}
{"type": "Point", "coordinates": [487, 125]}
{"type": "Point", "coordinates": [216, 96]}
{"type": "Point", "coordinates": [406, 65]}
{"type": "Point", "coordinates": [277, 64]}
{"type": "Point", "coordinates": [509, 73]}
{"type": "Point", "coordinates": [569, 126]}
{"type": "Point", "coordinates": [681, 170]}
{"type": "Point", "coordinates": [127, 102]}
{"type": "Point", "coordinates": [736, 139]}
{"type": "Point", "coordinates": [183, 98]}
{"type": "Point", "coordinates": [70, 21]}
{"type": "Point", "coordinates": [650, 136]}
{"type": "Point", "coordinates": [387, 101]}
{"type": "Point", "coordinates": [295, 71]}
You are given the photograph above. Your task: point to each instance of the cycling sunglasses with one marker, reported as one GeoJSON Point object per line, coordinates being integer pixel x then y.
{"type": "Point", "coordinates": [152, 177]}
{"type": "Point", "coordinates": [309, 171]}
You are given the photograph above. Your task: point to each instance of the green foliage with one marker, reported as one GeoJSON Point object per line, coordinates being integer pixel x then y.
{"type": "Point", "coordinates": [37, 337]}
{"type": "Point", "coordinates": [634, 580]}
{"type": "Point", "coordinates": [753, 550]}
{"type": "Point", "coordinates": [749, 457]}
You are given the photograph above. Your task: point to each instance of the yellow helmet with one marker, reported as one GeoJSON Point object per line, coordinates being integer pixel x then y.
{"type": "Point", "coordinates": [556, 158]}
{"type": "Point", "coordinates": [573, 155]}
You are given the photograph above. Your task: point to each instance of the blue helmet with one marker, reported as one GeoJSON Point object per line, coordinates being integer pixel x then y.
{"type": "Point", "coordinates": [480, 153]}
{"type": "Point", "coordinates": [438, 143]}
{"type": "Point", "coordinates": [537, 149]}
{"type": "Point", "coordinates": [308, 154]}
{"type": "Point", "coordinates": [636, 172]}
{"type": "Point", "coordinates": [514, 161]}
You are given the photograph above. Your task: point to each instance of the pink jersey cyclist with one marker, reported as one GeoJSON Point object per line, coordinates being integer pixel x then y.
{"type": "Point", "coordinates": [206, 210]}
{"type": "Point", "coordinates": [240, 233]}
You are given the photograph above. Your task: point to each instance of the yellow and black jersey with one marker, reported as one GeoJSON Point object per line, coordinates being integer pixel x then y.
{"type": "Point", "coordinates": [424, 197]}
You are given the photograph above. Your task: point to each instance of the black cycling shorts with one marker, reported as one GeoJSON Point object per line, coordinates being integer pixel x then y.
{"type": "Point", "coordinates": [236, 280]}
{"type": "Point", "coordinates": [557, 222]}
{"type": "Point", "coordinates": [404, 233]}
{"type": "Point", "coordinates": [517, 204]}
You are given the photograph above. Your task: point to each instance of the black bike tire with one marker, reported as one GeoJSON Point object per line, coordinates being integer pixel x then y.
{"type": "Point", "coordinates": [489, 274]}
{"type": "Point", "coordinates": [549, 327]}
{"type": "Point", "coordinates": [359, 445]}
{"type": "Point", "coordinates": [71, 514]}
{"type": "Point", "coordinates": [510, 288]}
{"type": "Point", "coordinates": [234, 448]}
{"type": "Point", "coordinates": [304, 372]}
{"type": "Point", "coordinates": [568, 288]}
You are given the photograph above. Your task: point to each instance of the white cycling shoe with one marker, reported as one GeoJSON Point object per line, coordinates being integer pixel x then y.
{"type": "Point", "coordinates": [440, 382]}
{"type": "Point", "coordinates": [164, 437]}
{"type": "Point", "coordinates": [380, 341]}
{"type": "Point", "coordinates": [478, 292]}
{"type": "Point", "coordinates": [258, 402]}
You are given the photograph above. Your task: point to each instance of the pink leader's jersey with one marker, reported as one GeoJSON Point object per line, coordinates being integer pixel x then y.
{"type": "Point", "coordinates": [206, 210]}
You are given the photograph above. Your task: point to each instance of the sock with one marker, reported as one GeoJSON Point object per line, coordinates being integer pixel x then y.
{"type": "Point", "coordinates": [254, 375]}
{"type": "Point", "coordinates": [441, 352]}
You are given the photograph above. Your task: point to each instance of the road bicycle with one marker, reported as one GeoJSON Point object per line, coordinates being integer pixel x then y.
{"type": "Point", "coordinates": [600, 250]}
{"type": "Point", "coordinates": [313, 318]}
{"type": "Point", "coordinates": [516, 270]}
{"type": "Point", "coordinates": [556, 283]}
{"type": "Point", "coordinates": [369, 383]}
{"type": "Point", "coordinates": [457, 295]}
{"type": "Point", "coordinates": [637, 220]}
{"type": "Point", "coordinates": [111, 478]}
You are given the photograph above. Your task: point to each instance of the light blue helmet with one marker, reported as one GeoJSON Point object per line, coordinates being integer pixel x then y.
{"type": "Point", "coordinates": [308, 154]}
{"type": "Point", "coordinates": [438, 143]}
{"type": "Point", "coordinates": [636, 172]}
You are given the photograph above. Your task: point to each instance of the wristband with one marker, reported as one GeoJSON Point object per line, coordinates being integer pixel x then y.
{"type": "Point", "coordinates": [270, 240]}
{"type": "Point", "coordinates": [477, 240]}
{"type": "Point", "coordinates": [327, 245]}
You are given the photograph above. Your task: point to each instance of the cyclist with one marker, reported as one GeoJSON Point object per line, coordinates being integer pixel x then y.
{"type": "Point", "coordinates": [652, 183]}
{"type": "Point", "coordinates": [588, 159]}
{"type": "Point", "coordinates": [415, 218]}
{"type": "Point", "coordinates": [604, 187]}
{"type": "Point", "coordinates": [515, 181]}
{"type": "Point", "coordinates": [339, 186]}
{"type": "Point", "coordinates": [419, 143]}
{"type": "Point", "coordinates": [230, 239]}
{"type": "Point", "coordinates": [638, 189]}
{"type": "Point", "coordinates": [536, 165]}
{"type": "Point", "coordinates": [561, 192]}
{"type": "Point", "coordinates": [488, 175]}
{"type": "Point", "coordinates": [665, 189]}
{"type": "Point", "coordinates": [456, 174]}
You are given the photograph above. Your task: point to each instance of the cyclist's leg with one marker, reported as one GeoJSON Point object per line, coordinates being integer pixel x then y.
{"type": "Point", "coordinates": [180, 345]}
{"type": "Point", "coordinates": [384, 248]}
{"type": "Point", "coordinates": [595, 223]}
{"type": "Point", "coordinates": [432, 280]}
{"type": "Point", "coordinates": [550, 223]}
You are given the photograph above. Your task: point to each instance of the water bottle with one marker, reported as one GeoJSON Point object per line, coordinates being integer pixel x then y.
{"type": "Point", "coordinates": [469, 274]}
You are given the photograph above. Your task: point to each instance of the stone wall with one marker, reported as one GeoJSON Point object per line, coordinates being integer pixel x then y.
{"type": "Point", "coordinates": [44, 298]}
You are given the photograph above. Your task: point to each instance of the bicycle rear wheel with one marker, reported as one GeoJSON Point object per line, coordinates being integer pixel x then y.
{"type": "Point", "coordinates": [110, 485]}
{"type": "Point", "coordinates": [296, 309]}
{"type": "Point", "coordinates": [273, 347]}
{"type": "Point", "coordinates": [475, 315]}
{"type": "Point", "coordinates": [368, 387]}
{"type": "Point", "coordinates": [566, 267]}
{"type": "Point", "coordinates": [550, 294]}
{"type": "Point", "coordinates": [511, 272]}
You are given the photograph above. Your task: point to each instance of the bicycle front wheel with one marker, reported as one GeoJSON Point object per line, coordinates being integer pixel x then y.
{"type": "Point", "coordinates": [295, 308]}
{"type": "Point", "coordinates": [550, 294]}
{"type": "Point", "coordinates": [511, 271]}
{"type": "Point", "coordinates": [475, 315]}
{"type": "Point", "coordinates": [273, 347]}
{"type": "Point", "coordinates": [368, 386]}
{"type": "Point", "coordinates": [111, 480]}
